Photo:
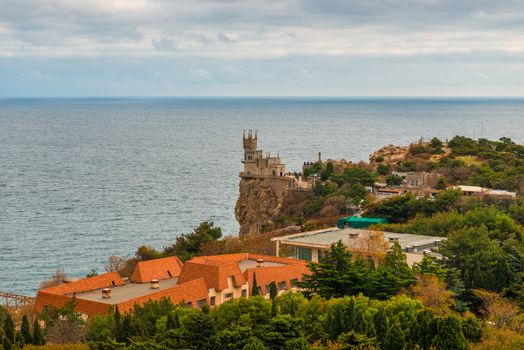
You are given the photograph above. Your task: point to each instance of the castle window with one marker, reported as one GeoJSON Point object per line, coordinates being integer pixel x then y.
{"type": "Point", "coordinates": [228, 296]}
{"type": "Point", "coordinates": [244, 293]}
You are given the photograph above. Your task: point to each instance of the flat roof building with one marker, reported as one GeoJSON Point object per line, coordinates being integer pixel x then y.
{"type": "Point", "coordinates": [311, 246]}
{"type": "Point", "coordinates": [207, 280]}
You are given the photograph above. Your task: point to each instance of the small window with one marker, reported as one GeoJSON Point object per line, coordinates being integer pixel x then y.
{"type": "Point", "coordinates": [268, 288]}
{"type": "Point", "coordinates": [244, 293]}
{"type": "Point", "coordinates": [282, 285]}
{"type": "Point", "coordinates": [169, 273]}
{"type": "Point", "coordinates": [212, 301]}
{"type": "Point", "coordinates": [303, 253]}
{"type": "Point", "coordinates": [228, 295]}
{"type": "Point", "coordinates": [201, 302]}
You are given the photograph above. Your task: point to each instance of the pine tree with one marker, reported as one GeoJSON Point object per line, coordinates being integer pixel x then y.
{"type": "Point", "coordinates": [395, 339]}
{"type": "Point", "coordinates": [450, 336]}
{"type": "Point", "coordinates": [38, 335]}
{"type": "Point", "coordinates": [26, 331]}
{"type": "Point", "coordinates": [255, 290]}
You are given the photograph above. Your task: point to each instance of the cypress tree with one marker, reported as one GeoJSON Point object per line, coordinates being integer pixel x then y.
{"type": "Point", "coordinates": [395, 339]}
{"type": "Point", "coordinates": [450, 336]}
{"type": "Point", "coordinates": [255, 290]}
{"type": "Point", "coordinates": [26, 331]}
{"type": "Point", "coordinates": [7, 344]}
{"type": "Point", "coordinates": [273, 291]}
{"type": "Point", "coordinates": [117, 325]}
{"type": "Point", "coordinates": [9, 328]}
{"type": "Point", "coordinates": [38, 334]}
{"type": "Point", "coordinates": [127, 328]}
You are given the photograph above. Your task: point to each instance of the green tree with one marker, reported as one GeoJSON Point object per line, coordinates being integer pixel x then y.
{"type": "Point", "coordinates": [392, 275]}
{"type": "Point", "coordinates": [381, 324]}
{"type": "Point", "coordinates": [441, 184]}
{"type": "Point", "coordinates": [355, 341]}
{"type": "Point", "coordinates": [431, 265]}
{"type": "Point", "coordinates": [255, 290]}
{"type": "Point", "coordinates": [273, 290]}
{"type": "Point", "coordinates": [336, 274]}
{"type": "Point", "coordinates": [254, 344]}
{"type": "Point", "coordinates": [38, 335]}
{"type": "Point", "coordinates": [394, 180]}
{"type": "Point", "coordinates": [25, 330]}
{"type": "Point", "coordinates": [435, 143]}
{"type": "Point", "coordinates": [236, 337]}
{"type": "Point", "coordinates": [199, 329]}
{"type": "Point", "coordinates": [9, 328]}
{"type": "Point", "coordinates": [450, 336]}
{"type": "Point", "coordinates": [117, 326]}
{"type": "Point", "coordinates": [187, 245]}
{"type": "Point", "coordinates": [395, 338]}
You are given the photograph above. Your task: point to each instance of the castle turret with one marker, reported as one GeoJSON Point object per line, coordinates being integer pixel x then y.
{"type": "Point", "coordinates": [250, 142]}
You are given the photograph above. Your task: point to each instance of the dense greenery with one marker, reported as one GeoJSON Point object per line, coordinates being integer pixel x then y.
{"type": "Point", "coordinates": [290, 321]}
{"type": "Point", "coordinates": [339, 275]}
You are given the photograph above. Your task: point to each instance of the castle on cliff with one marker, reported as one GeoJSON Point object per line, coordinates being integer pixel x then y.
{"type": "Point", "coordinates": [260, 166]}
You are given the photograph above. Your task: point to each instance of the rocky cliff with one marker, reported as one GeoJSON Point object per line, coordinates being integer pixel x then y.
{"type": "Point", "coordinates": [258, 203]}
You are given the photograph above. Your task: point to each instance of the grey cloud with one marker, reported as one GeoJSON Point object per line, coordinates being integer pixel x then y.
{"type": "Point", "coordinates": [165, 43]}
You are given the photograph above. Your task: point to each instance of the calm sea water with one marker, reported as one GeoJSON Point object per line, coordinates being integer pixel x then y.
{"type": "Point", "coordinates": [82, 179]}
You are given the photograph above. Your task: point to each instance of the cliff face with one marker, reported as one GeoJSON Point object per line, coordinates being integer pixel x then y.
{"type": "Point", "coordinates": [258, 203]}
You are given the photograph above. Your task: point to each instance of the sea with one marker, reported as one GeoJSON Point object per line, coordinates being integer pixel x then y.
{"type": "Point", "coordinates": [85, 178]}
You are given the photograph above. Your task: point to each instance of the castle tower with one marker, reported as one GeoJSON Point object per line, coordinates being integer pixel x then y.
{"type": "Point", "coordinates": [251, 154]}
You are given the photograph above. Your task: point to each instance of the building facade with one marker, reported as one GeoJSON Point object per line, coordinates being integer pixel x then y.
{"type": "Point", "coordinates": [208, 280]}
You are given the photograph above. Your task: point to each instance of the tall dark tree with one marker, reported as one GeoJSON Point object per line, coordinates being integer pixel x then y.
{"type": "Point", "coordinates": [255, 290]}
{"type": "Point", "coordinates": [38, 334]}
{"type": "Point", "coordinates": [25, 330]}
{"type": "Point", "coordinates": [9, 328]}
{"type": "Point", "coordinates": [117, 325]}
{"type": "Point", "coordinates": [273, 291]}
{"type": "Point", "coordinates": [381, 323]}
{"type": "Point", "coordinates": [450, 336]}
{"type": "Point", "coordinates": [395, 339]}
{"type": "Point", "coordinates": [336, 275]}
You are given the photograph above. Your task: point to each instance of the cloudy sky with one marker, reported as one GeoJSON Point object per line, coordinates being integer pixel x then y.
{"type": "Point", "coordinates": [261, 48]}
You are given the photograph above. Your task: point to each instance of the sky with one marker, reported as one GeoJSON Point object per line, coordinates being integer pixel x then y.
{"type": "Point", "coordinates": [261, 48]}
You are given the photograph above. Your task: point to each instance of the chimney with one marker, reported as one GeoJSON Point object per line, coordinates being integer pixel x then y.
{"type": "Point", "coordinates": [155, 284]}
{"type": "Point", "coordinates": [260, 262]}
{"type": "Point", "coordinates": [106, 293]}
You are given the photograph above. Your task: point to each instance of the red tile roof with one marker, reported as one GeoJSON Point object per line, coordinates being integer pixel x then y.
{"type": "Point", "coordinates": [215, 272]}
{"type": "Point", "coordinates": [266, 275]}
{"type": "Point", "coordinates": [160, 269]}
{"type": "Point", "coordinates": [88, 307]}
{"type": "Point", "coordinates": [96, 282]}
{"type": "Point", "coordinates": [191, 291]}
